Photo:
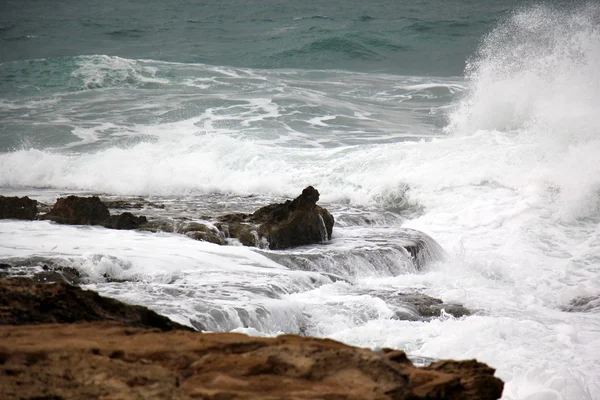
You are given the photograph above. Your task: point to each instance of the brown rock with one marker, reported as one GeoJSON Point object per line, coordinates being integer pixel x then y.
{"type": "Point", "coordinates": [23, 302]}
{"type": "Point", "coordinates": [79, 211]}
{"type": "Point", "coordinates": [18, 208]}
{"type": "Point", "coordinates": [108, 360]}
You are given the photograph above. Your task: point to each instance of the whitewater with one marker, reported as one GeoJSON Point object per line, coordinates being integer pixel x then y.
{"type": "Point", "coordinates": [501, 167]}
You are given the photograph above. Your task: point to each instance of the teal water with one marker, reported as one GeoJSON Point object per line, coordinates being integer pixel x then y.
{"type": "Point", "coordinates": [432, 37]}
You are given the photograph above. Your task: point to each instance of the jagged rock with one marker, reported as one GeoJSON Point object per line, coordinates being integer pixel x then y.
{"type": "Point", "coordinates": [76, 210]}
{"type": "Point", "coordinates": [18, 208]}
{"type": "Point", "coordinates": [24, 302]}
{"type": "Point", "coordinates": [107, 360]}
{"type": "Point", "coordinates": [125, 220]}
{"type": "Point", "coordinates": [293, 223]}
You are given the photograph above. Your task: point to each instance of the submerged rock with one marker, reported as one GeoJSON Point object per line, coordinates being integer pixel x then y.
{"type": "Point", "coordinates": [294, 223]}
{"type": "Point", "coordinates": [583, 304]}
{"type": "Point", "coordinates": [202, 232]}
{"type": "Point", "coordinates": [18, 208]}
{"type": "Point", "coordinates": [427, 307]}
{"type": "Point", "coordinates": [108, 360]}
{"type": "Point", "coordinates": [25, 302]}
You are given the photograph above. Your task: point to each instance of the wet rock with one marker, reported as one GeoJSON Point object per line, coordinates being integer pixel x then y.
{"type": "Point", "coordinates": [107, 360]}
{"type": "Point", "coordinates": [76, 210]}
{"type": "Point", "coordinates": [58, 274]}
{"type": "Point", "coordinates": [158, 225]}
{"type": "Point", "coordinates": [18, 208]}
{"type": "Point", "coordinates": [25, 302]}
{"type": "Point", "coordinates": [202, 232]}
{"type": "Point", "coordinates": [125, 220]}
{"type": "Point", "coordinates": [583, 304]}
{"type": "Point", "coordinates": [246, 233]}
{"type": "Point", "coordinates": [294, 223]}
{"type": "Point", "coordinates": [137, 204]}
{"type": "Point", "coordinates": [419, 306]}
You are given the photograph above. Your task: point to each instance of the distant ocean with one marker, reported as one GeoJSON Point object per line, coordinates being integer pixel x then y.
{"type": "Point", "coordinates": [475, 122]}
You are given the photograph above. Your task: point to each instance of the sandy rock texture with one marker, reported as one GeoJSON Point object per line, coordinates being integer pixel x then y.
{"type": "Point", "coordinates": [107, 360]}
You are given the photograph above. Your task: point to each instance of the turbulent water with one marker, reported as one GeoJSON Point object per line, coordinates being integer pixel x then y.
{"type": "Point", "coordinates": [477, 124]}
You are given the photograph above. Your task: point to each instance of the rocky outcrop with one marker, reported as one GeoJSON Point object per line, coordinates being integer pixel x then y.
{"type": "Point", "coordinates": [75, 210]}
{"type": "Point", "coordinates": [18, 208]}
{"type": "Point", "coordinates": [294, 223]}
{"type": "Point", "coordinates": [109, 360]}
{"type": "Point", "coordinates": [23, 301]}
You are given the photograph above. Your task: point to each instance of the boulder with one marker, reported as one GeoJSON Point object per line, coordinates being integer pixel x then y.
{"type": "Point", "coordinates": [18, 208]}
{"type": "Point", "coordinates": [110, 361]}
{"type": "Point", "coordinates": [76, 210]}
{"type": "Point", "coordinates": [294, 223]}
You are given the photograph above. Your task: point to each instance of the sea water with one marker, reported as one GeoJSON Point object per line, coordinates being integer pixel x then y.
{"type": "Point", "coordinates": [476, 124]}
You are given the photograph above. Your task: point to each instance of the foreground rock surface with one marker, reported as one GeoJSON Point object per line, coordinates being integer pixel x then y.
{"type": "Point", "coordinates": [109, 360]}
{"type": "Point", "coordinates": [23, 302]}
{"type": "Point", "coordinates": [116, 357]}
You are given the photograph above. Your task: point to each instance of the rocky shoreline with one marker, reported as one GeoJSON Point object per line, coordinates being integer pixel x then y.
{"type": "Point", "coordinates": [58, 341]}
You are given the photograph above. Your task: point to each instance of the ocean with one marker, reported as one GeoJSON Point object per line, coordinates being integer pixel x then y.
{"type": "Point", "coordinates": [474, 122]}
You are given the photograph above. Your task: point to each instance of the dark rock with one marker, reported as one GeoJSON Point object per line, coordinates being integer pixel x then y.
{"type": "Point", "coordinates": [125, 220]}
{"type": "Point", "coordinates": [79, 211]}
{"type": "Point", "coordinates": [18, 208]}
{"type": "Point", "coordinates": [294, 223]}
{"type": "Point", "coordinates": [24, 302]}
{"type": "Point", "coordinates": [419, 306]}
{"type": "Point", "coordinates": [58, 274]}
{"type": "Point", "coordinates": [583, 304]}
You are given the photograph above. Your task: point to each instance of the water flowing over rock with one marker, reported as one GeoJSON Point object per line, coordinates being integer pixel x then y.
{"type": "Point", "coordinates": [18, 208]}
{"type": "Point", "coordinates": [294, 223]}
{"type": "Point", "coordinates": [111, 359]}
{"type": "Point", "coordinates": [23, 302]}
